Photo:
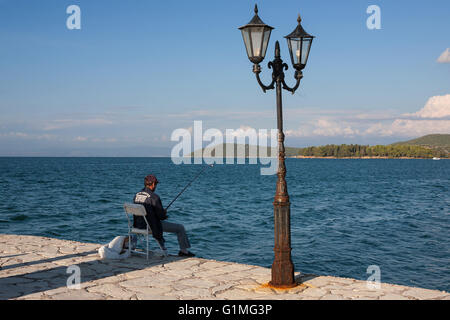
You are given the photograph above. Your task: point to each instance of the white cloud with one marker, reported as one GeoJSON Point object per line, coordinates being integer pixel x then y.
{"type": "Point", "coordinates": [69, 123]}
{"type": "Point", "coordinates": [436, 107]}
{"type": "Point", "coordinates": [14, 134]}
{"type": "Point", "coordinates": [325, 128]}
{"type": "Point", "coordinates": [23, 135]}
{"type": "Point", "coordinates": [444, 57]}
{"type": "Point", "coordinates": [328, 128]}
{"type": "Point", "coordinates": [103, 140]}
{"type": "Point", "coordinates": [243, 131]}
{"type": "Point", "coordinates": [303, 131]}
{"type": "Point", "coordinates": [246, 131]}
{"type": "Point", "coordinates": [80, 139]}
{"type": "Point", "coordinates": [434, 117]}
{"type": "Point", "coordinates": [409, 128]}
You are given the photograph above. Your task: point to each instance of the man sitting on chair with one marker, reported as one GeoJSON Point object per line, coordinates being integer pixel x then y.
{"type": "Point", "coordinates": [156, 216]}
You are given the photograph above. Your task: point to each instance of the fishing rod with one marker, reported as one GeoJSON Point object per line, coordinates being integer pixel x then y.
{"type": "Point", "coordinates": [210, 165]}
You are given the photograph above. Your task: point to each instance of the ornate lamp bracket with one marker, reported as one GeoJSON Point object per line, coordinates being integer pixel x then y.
{"type": "Point", "coordinates": [278, 67]}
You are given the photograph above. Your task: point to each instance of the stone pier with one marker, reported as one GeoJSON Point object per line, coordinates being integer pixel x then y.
{"type": "Point", "coordinates": [40, 268]}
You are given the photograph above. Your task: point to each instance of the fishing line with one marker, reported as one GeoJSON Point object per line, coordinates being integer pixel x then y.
{"type": "Point", "coordinates": [179, 194]}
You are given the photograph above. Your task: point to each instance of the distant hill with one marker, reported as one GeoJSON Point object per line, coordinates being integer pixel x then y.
{"type": "Point", "coordinates": [437, 142]}
{"type": "Point", "coordinates": [250, 150]}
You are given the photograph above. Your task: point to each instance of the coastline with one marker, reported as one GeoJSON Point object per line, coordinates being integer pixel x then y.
{"type": "Point", "coordinates": [38, 268]}
{"type": "Point", "coordinates": [315, 157]}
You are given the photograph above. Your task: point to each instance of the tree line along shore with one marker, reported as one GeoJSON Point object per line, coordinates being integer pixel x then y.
{"type": "Point", "coordinates": [425, 147]}
{"type": "Point", "coordinates": [367, 152]}
{"type": "Point", "coordinates": [343, 151]}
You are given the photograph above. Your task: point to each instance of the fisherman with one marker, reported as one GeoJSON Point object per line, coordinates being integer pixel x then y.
{"type": "Point", "coordinates": [156, 216]}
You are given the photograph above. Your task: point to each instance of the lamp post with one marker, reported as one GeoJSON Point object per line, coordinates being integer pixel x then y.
{"type": "Point", "coordinates": [256, 35]}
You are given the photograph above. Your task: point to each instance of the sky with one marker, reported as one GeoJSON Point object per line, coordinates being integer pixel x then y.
{"type": "Point", "coordinates": [137, 70]}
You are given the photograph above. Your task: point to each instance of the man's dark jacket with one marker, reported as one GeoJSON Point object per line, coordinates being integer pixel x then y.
{"type": "Point", "coordinates": [155, 213]}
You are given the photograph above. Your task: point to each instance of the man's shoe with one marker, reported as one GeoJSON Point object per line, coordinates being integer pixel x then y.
{"type": "Point", "coordinates": [188, 254]}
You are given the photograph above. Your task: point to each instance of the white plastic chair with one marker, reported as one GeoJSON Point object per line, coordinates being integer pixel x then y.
{"type": "Point", "coordinates": [133, 209]}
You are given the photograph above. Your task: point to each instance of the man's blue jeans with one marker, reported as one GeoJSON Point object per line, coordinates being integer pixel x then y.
{"type": "Point", "coordinates": [178, 229]}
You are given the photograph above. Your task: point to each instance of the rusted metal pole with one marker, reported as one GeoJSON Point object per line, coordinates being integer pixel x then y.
{"type": "Point", "coordinates": [282, 267]}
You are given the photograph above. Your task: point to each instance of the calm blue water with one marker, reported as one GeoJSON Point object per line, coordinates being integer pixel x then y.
{"type": "Point", "coordinates": [345, 214]}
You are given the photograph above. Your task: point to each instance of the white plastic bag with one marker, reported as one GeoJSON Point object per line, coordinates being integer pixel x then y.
{"type": "Point", "coordinates": [113, 249]}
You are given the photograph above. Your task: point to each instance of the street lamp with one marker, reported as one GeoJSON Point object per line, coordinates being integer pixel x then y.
{"type": "Point", "coordinates": [256, 36]}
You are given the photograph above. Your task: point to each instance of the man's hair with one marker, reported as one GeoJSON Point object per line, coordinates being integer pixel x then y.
{"type": "Point", "coordinates": [149, 180]}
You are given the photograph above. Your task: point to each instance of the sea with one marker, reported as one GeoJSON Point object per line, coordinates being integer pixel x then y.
{"type": "Point", "coordinates": [347, 215]}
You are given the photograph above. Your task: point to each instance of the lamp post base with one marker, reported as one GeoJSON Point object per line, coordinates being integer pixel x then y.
{"type": "Point", "coordinates": [282, 266]}
{"type": "Point", "coordinates": [283, 270]}
{"type": "Point", "coordinates": [283, 275]}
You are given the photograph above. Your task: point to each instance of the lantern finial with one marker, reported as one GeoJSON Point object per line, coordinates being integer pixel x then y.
{"type": "Point", "coordinates": [299, 19]}
{"type": "Point", "coordinates": [256, 8]}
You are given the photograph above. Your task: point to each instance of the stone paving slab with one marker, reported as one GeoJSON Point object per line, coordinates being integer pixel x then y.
{"type": "Point", "coordinates": [36, 268]}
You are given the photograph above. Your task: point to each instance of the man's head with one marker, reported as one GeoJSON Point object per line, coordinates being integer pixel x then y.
{"type": "Point", "coordinates": [150, 182]}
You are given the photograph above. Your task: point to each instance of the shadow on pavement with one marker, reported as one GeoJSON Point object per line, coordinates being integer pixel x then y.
{"type": "Point", "coordinates": [17, 285]}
